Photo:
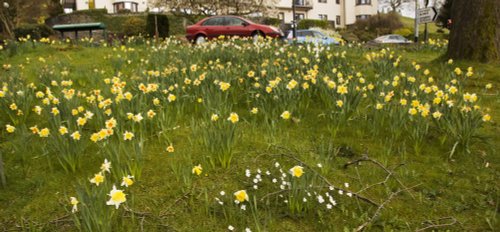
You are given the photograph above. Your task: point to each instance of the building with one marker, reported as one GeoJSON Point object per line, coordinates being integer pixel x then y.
{"type": "Point", "coordinates": [341, 12]}
{"type": "Point", "coordinates": [112, 6]}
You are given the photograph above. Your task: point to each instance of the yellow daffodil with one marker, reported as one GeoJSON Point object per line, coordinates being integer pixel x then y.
{"type": "Point", "coordinates": [74, 203]}
{"type": "Point", "coordinates": [117, 197]}
{"type": "Point", "coordinates": [233, 117]}
{"type": "Point", "coordinates": [297, 171]}
{"type": "Point", "coordinates": [197, 169]}
{"type": "Point", "coordinates": [170, 149]}
{"type": "Point", "coordinates": [127, 181]}
{"type": "Point", "coordinates": [98, 179]}
{"type": "Point", "coordinates": [45, 132]}
{"type": "Point", "coordinates": [214, 117]}
{"type": "Point", "coordinates": [10, 128]}
{"type": "Point", "coordinates": [241, 196]}
{"type": "Point", "coordinates": [286, 115]}
{"type": "Point", "coordinates": [76, 135]}
{"type": "Point", "coordinates": [63, 130]}
{"type": "Point", "coordinates": [486, 118]}
{"type": "Point", "coordinates": [128, 135]}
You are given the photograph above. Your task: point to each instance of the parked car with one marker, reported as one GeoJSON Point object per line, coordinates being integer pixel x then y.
{"type": "Point", "coordinates": [391, 39]}
{"type": "Point", "coordinates": [213, 27]}
{"type": "Point", "coordinates": [311, 36]}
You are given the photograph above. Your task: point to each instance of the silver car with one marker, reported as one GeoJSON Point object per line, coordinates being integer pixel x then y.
{"type": "Point", "coordinates": [392, 39]}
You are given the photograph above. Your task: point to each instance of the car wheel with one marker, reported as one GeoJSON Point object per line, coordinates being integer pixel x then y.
{"type": "Point", "coordinates": [256, 36]}
{"type": "Point", "coordinates": [200, 39]}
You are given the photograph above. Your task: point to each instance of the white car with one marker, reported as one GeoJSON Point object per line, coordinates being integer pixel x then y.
{"type": "Point", "coordinates": [392, 39]}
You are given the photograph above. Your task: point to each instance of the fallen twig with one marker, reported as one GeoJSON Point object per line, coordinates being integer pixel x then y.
{"type": "Point", "coordinates": [432, 225]}
{"type": "Point", "coordinates": [379, 209]}
{"type": "Point", "coordinates": [390, 172]}
{"type": "Point", "coordinates": [356, 195]}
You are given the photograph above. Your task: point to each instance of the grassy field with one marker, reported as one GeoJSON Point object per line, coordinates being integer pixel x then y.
{"type": "Point", "coordinates": [431, 27]}
{"type": "Point", "coordinates": [321, 139]}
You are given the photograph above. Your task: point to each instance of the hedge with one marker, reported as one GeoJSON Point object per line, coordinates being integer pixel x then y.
{"type": "Point", "coordinates": [36, 31]}
{"type": "Point", "coordinates": [162, 23]}
{"type": "Point", "coordinates": [308, 23]}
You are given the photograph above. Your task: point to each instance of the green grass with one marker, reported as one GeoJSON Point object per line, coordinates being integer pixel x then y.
{"type": "Point", "coordinates": [36, 197]}
{"type": "Point", "coordinates": [431, 27]}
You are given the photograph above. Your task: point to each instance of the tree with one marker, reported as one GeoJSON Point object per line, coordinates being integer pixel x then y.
{"type": "Point", "coordinates": [16, 12]}
{"type": "Point", "coordinates": [444, 16]}
{"type": "Point", "coordinates": [210, 7]}
{"type": "Point", "coordinates": [395, 4]}
{"type": "Point", "coordinates": [475, 30]}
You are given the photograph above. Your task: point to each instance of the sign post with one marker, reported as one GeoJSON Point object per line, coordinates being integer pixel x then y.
{"type": "Point", "coordinates": [416, 21]}
{"type": "Point", "coordinates": [294, 21]}
{"type": "Point", "coordinates": [426, 31]}
{"type": "Point", "coordinates": [426, 15]}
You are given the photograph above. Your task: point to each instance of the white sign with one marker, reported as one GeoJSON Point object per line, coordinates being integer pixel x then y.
{"type": "Point", "coordinates": [427, 15]}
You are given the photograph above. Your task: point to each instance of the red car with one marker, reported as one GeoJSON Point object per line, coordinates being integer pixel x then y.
{"type": "Point", "coordinates": [213, 27]}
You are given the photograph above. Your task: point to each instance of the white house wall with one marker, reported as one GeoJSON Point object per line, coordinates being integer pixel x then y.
{"type": "Point", "coordinates": [347, 13]}
{"type": "Point", "coordinates": [142, 5]}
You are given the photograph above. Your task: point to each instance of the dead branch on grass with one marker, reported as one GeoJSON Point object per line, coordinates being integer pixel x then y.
{"type": "Point", "coordinates": [433, 225]}
{"type": "Point", "coordinates": [379, 209]}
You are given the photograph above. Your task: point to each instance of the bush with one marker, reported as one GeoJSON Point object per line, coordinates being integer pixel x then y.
{"type": "Point", "coordinates": [380, 24]}
{"type": "Point", "coordinates": [406, 32]}
{"type": "Point", "coordinates": [308, 23]}
{"type": "Point", "coordinates": [349, 36]}
{"type": "Point", "coordinates": [271, 21]}
{"type": "Point", "coordinates": [36, 31]}
{"type": "Point", "coordinates": [124, 11]}
{"type": "Point", "coordinates": [162, 23]}
{"type": "Point", "coordinates": [134, 26]}
{"type": "Point", "coordinates": [91, 12]}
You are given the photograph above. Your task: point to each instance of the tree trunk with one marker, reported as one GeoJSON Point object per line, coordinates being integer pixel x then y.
{"type": "Point", "coordinates": [475, 30]}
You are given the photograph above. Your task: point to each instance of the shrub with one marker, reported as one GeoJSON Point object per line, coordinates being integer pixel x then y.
{"type": "Point", "coordinates": [308, 23]}
{"type": "Point", "coordinates": [349, 36]}
{"type": "Point", "coordinates": [406, 32]}
{"type": "Point", "coordinates": [134, 26]}
{"type": "Point", "coordinates": [124, 11]}
{"type": "Point", "coordinates": [271, 21]}
{"type": "Point", "coordinates": [162, 24]}
{"type": "Point", "coordinates": [36, 31]}
{"type": "Point", "coordinates": [380, 24]}
{"type": "Point", "coordinates": [92, 12]}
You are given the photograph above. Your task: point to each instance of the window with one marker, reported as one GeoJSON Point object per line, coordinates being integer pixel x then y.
{"type": "Point", "coordinates": [219, 21]}
{"type": "Point", "coordinates": [337, 1]}
{"type": "Point", "coordinates": [363, 2]}
{"type": "Point", "coordinates": [323, 16]}
{"type": "Point", "coordinates": [281, 16]}
{"type": "Point", "coordinates": [300, 2]}
{"type": "Point", "coordinates": [322, 1]}
{"type": "Point", "coordinates": [231, 21]}
{"type": "Point", "coordinates": [360, 17]}
{"type": "Point", "coordinates": [299, 16]}
{"type": "Point", "coordinates": [132, 6]}
{"type": "Point", "coordinates": [337, 20]}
